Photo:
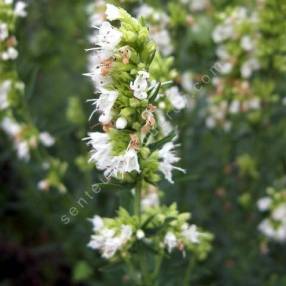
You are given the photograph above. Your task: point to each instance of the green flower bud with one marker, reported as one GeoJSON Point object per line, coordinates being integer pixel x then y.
{"type": "Point", "coordinates": [126, 112]}
{"type": "Point", "coordinates": [145, 152]}
{"type": "Point", "coordinates": [136, 126]}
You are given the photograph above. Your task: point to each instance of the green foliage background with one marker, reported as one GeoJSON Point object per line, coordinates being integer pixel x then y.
{"type": "Point", "coordinates": [227, 172]}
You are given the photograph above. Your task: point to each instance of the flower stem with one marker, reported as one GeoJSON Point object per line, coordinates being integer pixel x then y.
{"type": "Point", "coordinates": [137, 201]}
{"type": "Point", "coordinates": [188, 272]}
{"type": "Point", "coordinates": [142, 255]}
{"type": "Point", "coordinates": [159, 259]}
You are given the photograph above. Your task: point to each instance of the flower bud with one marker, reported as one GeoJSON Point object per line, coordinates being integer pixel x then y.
{"type": "Point", "coordinates": [126, 112]}
{"type": "Point", "coordinates": [145, 152]}
{"type": "Point", "coordinates": [140, 234]}
{"type": "Point", "coordinates": [121, 123]}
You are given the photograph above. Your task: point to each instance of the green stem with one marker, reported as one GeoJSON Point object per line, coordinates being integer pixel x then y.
{"type": "Point", "coordinates": [188, 272]}
{"type": "Point", "coordinates": [158, 263]}
{"type": "Point", "coordinates": [137, 202]}
{"type": "Point", "coordinates": [143, 266]}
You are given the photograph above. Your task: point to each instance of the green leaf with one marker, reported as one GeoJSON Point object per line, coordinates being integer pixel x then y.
{"type": "Point", "coordinates": [147, 221]}
{"type": "Point", "coordinates": [151, 58]}
{"type": "Point", "coordinates": [160, 143]}
{"type": "Point", "coordinates": [82, 271]}
{"type": "Point", "coordinates": [154, 92]}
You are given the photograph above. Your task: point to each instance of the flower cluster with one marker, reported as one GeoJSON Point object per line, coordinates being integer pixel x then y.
{"type": "Point", "coordinates": [158, 22]}
{"type": "Point", "coordinates": [236, 88]}
{"type": "Point", "coordinates": [132, 101]}
{"type": "Point", "coordinates": [9, 83]}
{"type": "Point", "coordinates": [134, 96]}
{"type": "Point", "coordinates": [161, 228]}
{"type": "Point", "coordinates": [9, 12]}
{"type": "Point", "coordinates": [24, 135]}
{"type": "Point", "coordinates": [196, 5]}
{"type": "Point", "coordinates": [274, 204]}
{"type": "Point", "coordinates": [14, 116]}
{"type": "Point", "coordinates": [237, 38]}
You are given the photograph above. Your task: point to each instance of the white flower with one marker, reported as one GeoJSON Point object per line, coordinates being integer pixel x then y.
{"type": "Point", "coordinates": [95, 61]}
{"type": "Point", "coordinates": [19, 9]}
{"type": "Point", "coordinates": [266, 228]}
{"type": "Point", "coordinates": [11, 127]}
{"type": "Point", "coordinates": [222, 33]}
{"type": "Point", "coordinates": [140, 234]}
{"type": "Point", "coordinates": [125, 163]}
{"type": "Point", "coordinates": [96, 19]}
{"type": "Point", "coordinates": [177, 100]}
{"type": "Point", "coordinates": [151, 199]}
{"type": "Point", "coordinates": [95, 242]}
{"type": "Point", "coordinates": [101, 149]}
{"type": "Point", "coordinates": [110, 247]}
{"type": "Point", "coordinates": [191, 233]}
{"type": "Point", "coordinates": [121, 123]}
{"type": "Point", "coordinates": [10, 54]}
{"type": "Point", "coordinates": [144, 11]}
{"type": "Point", "coordinates": [97, 223]}
{"type": "Point", "coordinates": [253, 103]}
{"type": "Point", "coordinates": [140, 85]}
{"type": "Point", "coordinates": [281, 233]}
{"type": "Point", "coordinates": [43, 185]}
{"type": "Point", "coordinates": [165, 125]}
{"type": "Point", "coordinates": [108, 37]}
{"type": "Point", "coordinates": [8, 2]}
{"type": "Point", "coordinates": [131, 161]}
{"type": "Point", "coordinates": [279, 213]}
{"type": "Point", "coordinates": [47, 139]}
{"type": "Point", "coordinates": [210, 122]}
{"type": "Point", "coordinates": [5, 87]}
{"type": "Point", "coordinates": [234, 107]}
{"type": "Point", "coordinates": [23, 150]}
{"type": "Point", "coordinates": [247, 43]}
{"type": "Point", "coordinates": [112, 12]}
{"type": "Point", "coordinates": [105, 103]}
{"type": "Point", "coordinates": [170, 241]}
{"type": "Point", "coordinates": [126, 233]}
{"type": "Point", "coordinates": [187, 81]}
{"type": "Point", "coordinates": [198, 5]}
{"type": "Point", "coordinates": [106, 240]}
{"type": "Point", "coordinates": [3, 31]}
{"type": "Point", "coordinates": [264, 203]}
{"type": "Point", "coordinates": [104, 118]}
{"type": "Point", "coordinates": [275, 233]}
{"type": "Point", "coordinates": [163, 41]}
{"type": "Point", "coordinates": [112, 165]}
{"type": "Point", "coordinates": [240, 13]}
{"type": "Point", "coordinates": [104, 235]}
{"type": "Point", "coordinates": [222, 53]}
{"type": "Point", "coordinates": [225, 67]}
{"type": "Point", "coordinates": [168, 159]}
{"type": "Point", "coordinates": [249, 67]}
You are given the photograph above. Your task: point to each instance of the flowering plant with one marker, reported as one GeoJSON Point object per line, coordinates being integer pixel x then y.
{"type": "Point", "coordinates": [136, 145]}
{"type": "Point", "coordinates": [273, 226]}
{"type": "Point", "coordinates": [238, 87]}
{"type": "Point", "coordinates": [15, 117]}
